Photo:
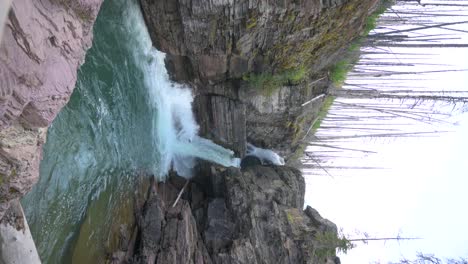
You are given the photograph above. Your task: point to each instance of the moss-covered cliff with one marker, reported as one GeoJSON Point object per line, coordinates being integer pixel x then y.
{"type": "Point", "coordinates": [237, 56]}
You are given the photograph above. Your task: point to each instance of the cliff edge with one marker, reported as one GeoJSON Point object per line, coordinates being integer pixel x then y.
{"type": "Point", "coordinates": [254, 64]}
{"type": "Point", "coordinates": [230, 216]}
{"type": "Point", "coordinates": [42, 47]}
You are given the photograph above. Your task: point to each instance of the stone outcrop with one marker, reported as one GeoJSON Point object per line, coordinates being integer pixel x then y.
{"type": "Point", "coordinates": [226, 39]}
{"type": "Point", "coordinates": [43, 44]}
{"type": "Point", "coordinates": [283, 120]}
{"type": "Point", "coordinates": [232, 216]}
{"type": "Point", "coordinates": [260, 59]}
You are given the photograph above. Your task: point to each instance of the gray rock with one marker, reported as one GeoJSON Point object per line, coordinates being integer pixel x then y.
{"type": "Point", "coordinates": [169, 234]}
{"type": "Point", "coordinates": [258, 219]}
{"type": "Point", "coordinates": [249, 161]}
{"type": "Point", "coordinates": [222, 119]}
{"type": "Point", "coordinates": [219, 229]}
{"type": "Point", "coordinates": [151, 229]}
{"type": "Point", "coordinates": [323, 224]}
{"type": "Point", "coordinates": [220, 47]}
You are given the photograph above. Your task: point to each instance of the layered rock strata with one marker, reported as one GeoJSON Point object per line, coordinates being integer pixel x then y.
{"type": "Point", "coordinates": [260, 59]}
{"type": "Point", "coordinates": [43, 44]}
{"type": "Point", "coordinates": [231, 216]}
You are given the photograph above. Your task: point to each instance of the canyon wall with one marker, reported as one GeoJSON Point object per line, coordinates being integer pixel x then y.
{"type": "Point", "coordinates": [253, 64]}
{"type": "Point", "coordinates": [42, 47]}
{"type": "Point", "coordinates": [258, 60]}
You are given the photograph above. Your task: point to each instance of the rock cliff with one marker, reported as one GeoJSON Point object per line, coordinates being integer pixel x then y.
{"type": "Point", "coordinates": [254, 66]}
{"type": "Point", "coordinates": [43, 44]}
{"type": "Point", "coordinates": [238, 55]}
{"type": "Point", "coordinates": [230, 216]}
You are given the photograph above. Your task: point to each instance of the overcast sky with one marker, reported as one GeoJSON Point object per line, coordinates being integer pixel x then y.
{"type": "Point", "coordinates": [422, 193]}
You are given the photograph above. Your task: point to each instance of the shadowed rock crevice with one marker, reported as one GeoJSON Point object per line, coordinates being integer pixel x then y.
{"type": "Point", "coordinates": [250, 216]}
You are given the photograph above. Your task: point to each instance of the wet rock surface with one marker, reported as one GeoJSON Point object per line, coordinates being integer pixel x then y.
{"type": "Point", "coordinates": [250, 216]}
{"type": "Point", "coordinates": [43, 44]}
{"type": "Point", "coordinates": [224, 49]}
{"type": "Point", "coordinates": [225, 215]}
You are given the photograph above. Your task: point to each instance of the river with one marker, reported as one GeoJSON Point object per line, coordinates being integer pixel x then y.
{"type": "Point", "coordinates": [124, 118]}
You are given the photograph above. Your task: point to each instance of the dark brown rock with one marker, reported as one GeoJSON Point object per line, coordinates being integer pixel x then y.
{"type": "Point", "coordinates": [257, 219]}
{"type": "Point", "coordinates": [169, 234]}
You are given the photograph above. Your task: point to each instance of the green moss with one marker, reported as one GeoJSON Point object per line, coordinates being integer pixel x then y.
{"type": "Point", "coordinates": [290, 217]}
{"type": "Point", "coordinates": [297, 76]}
{"type": "Point", "coordinates": [323, 112]}
{"type": "Point", "coordinates": [330, 241]}
{"type": "Point", "coordinates": [297, 128]}
{"type": "Point", "coordinates": [355, 46]}
{"type": "Point", "coordinates": [251, 23]}
{"type": "Point", "coordinates": [298, 152]}
{"type": "Point", "coordinates": [371, 21]}
{"type": "Point", "coordinates": [339, 71]}
{"type": "Point", "coordinates": [290, 17]}
{"type": "Point", "coordinates": [85, 14]}
{"type": "Point", "coordinates": [267, 83]}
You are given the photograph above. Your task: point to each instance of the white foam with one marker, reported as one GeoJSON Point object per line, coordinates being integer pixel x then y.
{"type": "Point", "coordinates": [175, 129]}
{"type": "Point", "coordinates": [267, 156]}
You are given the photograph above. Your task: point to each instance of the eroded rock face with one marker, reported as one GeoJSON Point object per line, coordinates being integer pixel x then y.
{"type": "Point", "coordinates": [226, 39]}
{"type": "Point", "coordinates": [222, 48]}
{"type": "Point", "coordinates": [283, 119]}
{"type": "Point", "coordinates": [43, 45]}
{"type": "Point", "coordinates": [250, 216]}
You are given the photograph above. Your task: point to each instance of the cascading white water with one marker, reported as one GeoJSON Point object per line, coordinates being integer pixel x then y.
{"type": "Point", "coordinates": [124, 117]}
{"type": "Point", "coordinates": [175, 130]}
{"type": "Point", "coordinates": [266, 156]}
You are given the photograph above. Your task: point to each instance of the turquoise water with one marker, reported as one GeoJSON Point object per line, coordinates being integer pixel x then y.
{"type": "Point", "coordinates": [124, 117]}
{"type": "Point", "coordinates": [100, 136]}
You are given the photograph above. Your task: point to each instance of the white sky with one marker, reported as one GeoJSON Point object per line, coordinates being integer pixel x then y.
{"type": "Point", "coordinates": [423, 191]}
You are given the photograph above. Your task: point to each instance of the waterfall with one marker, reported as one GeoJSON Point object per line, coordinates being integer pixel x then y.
{"type": "Point", "coordinates": [125, 116]}
{"type": "Point", "coordinates": [174, 127]}
{"type": "Point", "coordinates": [266, 156]}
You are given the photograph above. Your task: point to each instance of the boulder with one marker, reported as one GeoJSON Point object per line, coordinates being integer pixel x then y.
{"type": "Point", "coordinates": [259, 218]}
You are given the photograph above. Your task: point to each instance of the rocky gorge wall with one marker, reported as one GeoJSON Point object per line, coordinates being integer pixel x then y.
{"type": "Point", "coordinates": [215, 47]}
{"type": "Point", "coordinates": [252, 65]}
{"type": "Point", "coordinates": [227, 216]}
{"type": "Point", "coordinates": [43, 45]}
{"type": "Point", "coordinates": [258, 60]}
